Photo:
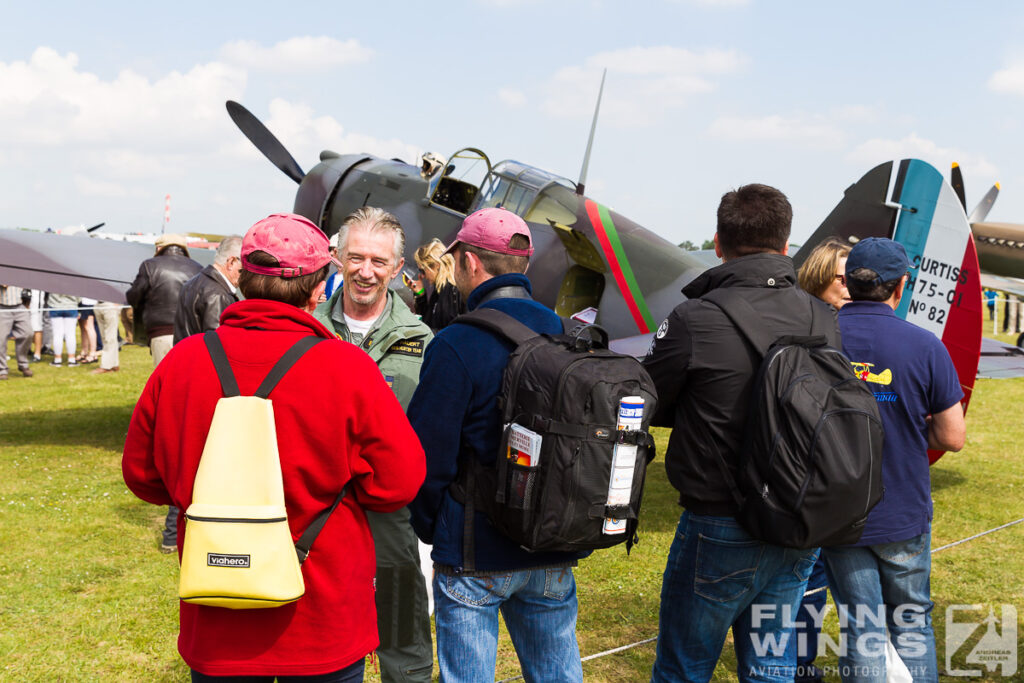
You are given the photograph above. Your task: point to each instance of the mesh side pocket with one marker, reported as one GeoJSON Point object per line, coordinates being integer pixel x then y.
{"type": "Point", "coordinates": [522, 486]}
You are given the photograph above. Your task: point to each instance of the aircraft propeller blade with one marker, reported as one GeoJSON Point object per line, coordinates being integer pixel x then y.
{"type": "Point", "coordinates": [984, 206]}
{"type": "Point", "coordinates": [95, 227]}
{"type": "Point", "coordinates": [264, 140]}
{"type": "Point", "coordinates": [956, 179]}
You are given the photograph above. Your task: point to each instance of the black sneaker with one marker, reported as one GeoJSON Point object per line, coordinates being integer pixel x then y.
{"type": "Point", "coordinates": [56, 363]}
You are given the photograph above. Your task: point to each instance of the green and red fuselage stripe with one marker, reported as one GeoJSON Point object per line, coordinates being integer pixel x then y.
{"type": "Point", "coordinates": [611, 245]}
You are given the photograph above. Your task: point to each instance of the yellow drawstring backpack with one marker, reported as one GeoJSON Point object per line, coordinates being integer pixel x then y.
{"type": "Point", "coordinates": [238, 551]}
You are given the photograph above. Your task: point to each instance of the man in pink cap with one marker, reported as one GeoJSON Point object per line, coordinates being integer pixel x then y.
{"type": "Point", "coordinates": [479, 572]}
{"type": "Point", "coordinates": [364, 442]}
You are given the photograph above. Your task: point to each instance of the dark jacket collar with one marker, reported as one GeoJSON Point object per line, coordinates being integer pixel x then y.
{"type": "Point", "coordinates": [507, 280]}
{"type": "Point", "coordinates": [755, 270]}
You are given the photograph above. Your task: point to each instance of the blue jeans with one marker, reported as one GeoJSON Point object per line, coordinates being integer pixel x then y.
{"type": "Point", "coordinates": [718, 577]}
{"type": "Point", "coordinates": [884, 586]}
{"type": "Point", "coordinates": [539, 608]}
{"type": "Point", "coordinates": [808, 625]}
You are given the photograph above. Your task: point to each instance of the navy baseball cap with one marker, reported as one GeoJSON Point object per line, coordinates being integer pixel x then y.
{"type": "Point", "coordinates": [885, 257]}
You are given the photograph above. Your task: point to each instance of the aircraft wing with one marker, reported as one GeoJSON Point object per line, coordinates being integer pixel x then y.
{"type": "Point", "coordinates": [74, 264]}
{"type": "Point", "coordinates": [1000, 361]}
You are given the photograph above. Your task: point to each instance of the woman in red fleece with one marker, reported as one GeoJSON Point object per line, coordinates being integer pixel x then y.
{"type": "Point", "coordinates": [337, 422]}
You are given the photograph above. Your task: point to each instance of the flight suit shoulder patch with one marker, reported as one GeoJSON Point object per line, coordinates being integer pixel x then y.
{"type": "Point", "coordinates": [407, 347]}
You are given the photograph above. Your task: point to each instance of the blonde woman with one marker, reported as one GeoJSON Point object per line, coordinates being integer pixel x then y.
{"type": "Point", "coordinates": [823, 274]}
{"type": "Point", "coordinates": [438, 301]}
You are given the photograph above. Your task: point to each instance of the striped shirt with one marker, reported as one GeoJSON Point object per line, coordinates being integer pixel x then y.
{"type": "Point", "coordinates": [10, 296]}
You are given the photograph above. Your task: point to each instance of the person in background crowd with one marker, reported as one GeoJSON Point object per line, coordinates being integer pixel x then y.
{"type": "Point", "coordinates": [455, 414]}
{"type": "Point", "coordinates": [335, 278]}
{"type": "Point", "coordinates": [36, 315]}
{"type": "Point", "coordinates": [717, 575]}
{"type": "Point", "coordinates": [155, 292]}
{"type": "Point", "coordinates": [883, 581]}
{"type": "Point", "coordinates": [823, 274]}
{"type": "Point", "coordinates": [14, 321]}
{"type": "Point", "coordinates": [366, 313]}
{"type": "Point", "coordinates": [438, 301]}
{"type": "Point", "coordinates": [64, 318]}
{"type": "Point", "coordinates": [128, 322]}
{"type": "Point", "coordinates": [154, 296]}
{"type": "Point", "coordinates": [990, 302]}
{"type": "Point", "coordinates": [207, 294]}
{"type": "Point", "coordinates": [362, 441]}
{"type": "Point", "coordinates": [86, 319]}
{"type": "Point", "coordinates": [107, 316]}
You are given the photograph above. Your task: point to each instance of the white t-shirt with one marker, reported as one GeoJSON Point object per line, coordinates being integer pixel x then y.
{"type": "Point", "coordinates": [358, 328]}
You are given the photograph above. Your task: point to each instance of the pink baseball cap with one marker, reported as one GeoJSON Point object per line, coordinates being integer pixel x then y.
{"type": "Point", "coordinates": [298, 245]}
{"type": "Point", "coordinates": [492, 229]}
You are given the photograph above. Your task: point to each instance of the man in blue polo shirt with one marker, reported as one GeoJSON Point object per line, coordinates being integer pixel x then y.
{"type": "Point", "coordinates": [884, 579]}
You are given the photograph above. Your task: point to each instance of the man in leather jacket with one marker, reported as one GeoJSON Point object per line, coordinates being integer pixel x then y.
{"type": "Point", "coordinates": [205, 296]}
{"type": "Point", "coordinates": [154, 297]}
{"type": "Point", "coordinates": [154, 293]}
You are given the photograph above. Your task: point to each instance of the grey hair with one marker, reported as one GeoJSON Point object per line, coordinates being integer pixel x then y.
{"type": "Point", "coordinates": [229, 246]}
{"type": "Point", "coordinates": [375, 220]}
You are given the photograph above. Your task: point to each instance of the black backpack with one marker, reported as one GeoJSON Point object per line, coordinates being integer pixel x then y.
{"type": "Point", "coordinates": [565, 389]}
{"type": "Point", "coordinates": [810, 466]}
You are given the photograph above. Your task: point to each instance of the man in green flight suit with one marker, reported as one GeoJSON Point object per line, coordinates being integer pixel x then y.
{"type": "Point", "coordinates": [366, 313]}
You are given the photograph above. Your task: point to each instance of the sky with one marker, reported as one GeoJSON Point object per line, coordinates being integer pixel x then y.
{"type": "Point", "coordinates": [106, 108]}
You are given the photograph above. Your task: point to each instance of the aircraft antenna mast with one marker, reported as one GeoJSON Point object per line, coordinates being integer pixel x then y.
{"type": "Point", "coordinates": [590, 140]}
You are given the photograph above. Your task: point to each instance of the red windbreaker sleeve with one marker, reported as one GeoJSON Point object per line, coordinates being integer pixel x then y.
{"type": "Point", "coordinates": [386, 458]}
{"type": "Point", "coordinates": [138, 465]}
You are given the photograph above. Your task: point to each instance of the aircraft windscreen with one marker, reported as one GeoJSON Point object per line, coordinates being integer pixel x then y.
{"type": "Point", "coordinates": [515, 186]}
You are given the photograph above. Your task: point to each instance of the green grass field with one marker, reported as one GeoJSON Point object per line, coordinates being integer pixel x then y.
{"type": "Point", "coordinates": [85, 596]}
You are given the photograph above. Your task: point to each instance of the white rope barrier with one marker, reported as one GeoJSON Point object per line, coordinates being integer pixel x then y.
{"type": "Point", "coordinates": [651, 640]}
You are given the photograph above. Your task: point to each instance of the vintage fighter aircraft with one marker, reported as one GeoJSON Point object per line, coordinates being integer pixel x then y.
{"type": "Point", "coordinates": [586, 255]}
{"type": "Point", "coordinates": [1000, 245]}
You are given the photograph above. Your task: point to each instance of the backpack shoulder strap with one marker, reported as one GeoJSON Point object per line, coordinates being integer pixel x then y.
{"type": "Point", "coordinates": [285, 364]}
{"type": "Point", "coordinates": [744, 316]}
{"type": "Point", "coordinates": [305, 542]}
{"type": "Point", "coordinates": [228, 384]}
{"type": "Point", "coordinates": [499, 323]}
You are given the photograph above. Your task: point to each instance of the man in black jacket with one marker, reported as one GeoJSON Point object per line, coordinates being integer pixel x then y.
{"type": "Point", "coordinates": [717, 575]}
{"type": "Point", "coordinates": [154, 293]}
{"type": "Point", "coordinates": [205, 296]}
{"type": "Point", "coordinates": [154, 298]}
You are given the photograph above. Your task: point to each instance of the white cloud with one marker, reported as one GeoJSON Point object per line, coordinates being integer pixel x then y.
{"type": "Point", "coordinates": [648, 82]}
{"type": "Point", "coordinates": [305, 135]}
{"type": "Point", "coordinates": [89, 186]}
{"type": "Point", "coordinates": [1008, 80]}
{"type": "Point", "coordinates": [813, 131]}
{"type": "Point", "coordinates": [877, 150]}
{"type": "Point", "coordinates": [48, 101]}
{"type": "Point", "coordinates": [121, 142]}
{"type": "Point", "coordinates": [512, 97]}
{"type": "Point", "coordinates": [667, 61]}
{"type": "Point", "coordinates": [300, 54]}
